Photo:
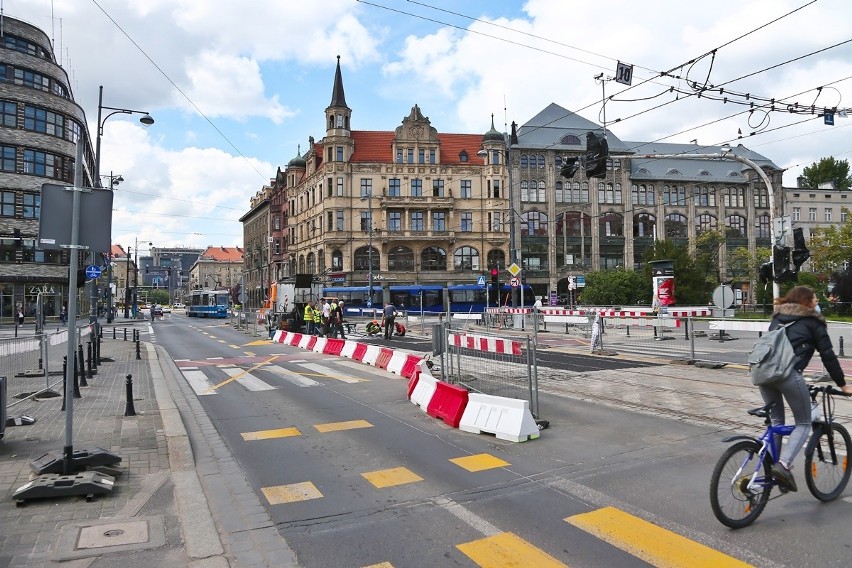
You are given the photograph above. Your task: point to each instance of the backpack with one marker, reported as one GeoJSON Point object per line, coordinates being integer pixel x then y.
{"type": "Point", "coordinates": [772, 358]}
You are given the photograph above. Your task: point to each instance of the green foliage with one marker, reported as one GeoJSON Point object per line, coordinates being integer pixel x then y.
{"type": "Point", "coordinates": [615, 287]}
{"type": "Point", "coordinates": [694, 277]}
{"type": "Point", "coordinates": [830, 247]}
{"type": "Point", "coordinates": [828, 170]}
{"type": "Point", "coordinates": [159, 296]}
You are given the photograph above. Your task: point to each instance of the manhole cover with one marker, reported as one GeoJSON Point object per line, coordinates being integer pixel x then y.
{"type": "Point", "coordinates": [116, 534]}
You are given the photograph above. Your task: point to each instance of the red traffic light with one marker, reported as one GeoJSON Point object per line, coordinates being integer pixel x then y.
{"type": "Point", "coordinates": [494, 272]}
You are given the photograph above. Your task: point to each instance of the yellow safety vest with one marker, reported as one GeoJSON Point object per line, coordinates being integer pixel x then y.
{"type": "Point", "coordinates": [309, 313]}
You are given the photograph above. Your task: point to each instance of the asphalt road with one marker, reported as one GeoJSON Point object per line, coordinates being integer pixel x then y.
{"type": "Point", "coordinates": [353, 474]}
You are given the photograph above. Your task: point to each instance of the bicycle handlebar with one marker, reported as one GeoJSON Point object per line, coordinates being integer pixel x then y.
{"type": "Point", "coordinates": [828, 389]}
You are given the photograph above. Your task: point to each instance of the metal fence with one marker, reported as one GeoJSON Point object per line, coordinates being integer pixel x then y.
{"type": "Point", "coordinates": [487, 363]}
{"type": "Point", "coordinates": [32, 365]}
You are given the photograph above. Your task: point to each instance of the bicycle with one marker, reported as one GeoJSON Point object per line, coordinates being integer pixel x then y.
{"type": "Point", "coordinates": [742, 479]}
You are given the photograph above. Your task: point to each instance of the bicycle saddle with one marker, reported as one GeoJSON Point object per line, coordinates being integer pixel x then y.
{"type": "Point", "coordinates": [763, 411]}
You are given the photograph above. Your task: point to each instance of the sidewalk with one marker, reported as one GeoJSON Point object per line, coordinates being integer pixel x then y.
{"type": "Point", "coordinates": [158, 513]}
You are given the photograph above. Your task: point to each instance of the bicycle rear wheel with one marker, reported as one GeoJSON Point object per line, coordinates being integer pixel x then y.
{"type": "Point", "coordinates": [827, 461]}
{"type": "Point", "coordinates": [733, 503]}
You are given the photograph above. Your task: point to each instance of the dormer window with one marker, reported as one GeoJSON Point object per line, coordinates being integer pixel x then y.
{"type": "Point", "coordinates": [570, 140]}
{"type": "Point", "coordinates": [463, 156]}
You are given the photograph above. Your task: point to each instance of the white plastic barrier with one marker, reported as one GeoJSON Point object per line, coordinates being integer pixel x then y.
{"type": "Point", "coordinates": [279, 336]}
{"type": "Point", "coordinates": [371, 355]}
{"type": "Point", "coordinates": [582, 320]}
{"type": "Point", "coordinates": [397, 362]}
{"type": "Point", "coordinates": [507, 418]}
{"type": "Point", "coordinates": [303, 343]}
{"type": "Point", "coordinates": [348, 349]}
{"type": "Point", "coordinates": [424, 390]}
{"type": "Point", "coordinates": [319, 346]}
{"type": "Point", "coordinates": [739, 325]}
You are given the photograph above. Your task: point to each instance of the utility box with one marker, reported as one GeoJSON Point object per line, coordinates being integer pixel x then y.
{"type": "Point", "coordinates": [438, 346]}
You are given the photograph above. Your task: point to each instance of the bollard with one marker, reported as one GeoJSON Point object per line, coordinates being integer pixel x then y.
{"type": "Point", "coordinates": [77, 381]}
{"type": "Point", "coordinates": [129, 409]}
{"type": "Point", "coordinates": [125, 334]}
{"type": "Point", "coordinates": [81, 369]}
{"type": "Point", "coordinates": [628, 330]}
{"type": "Point", "coordinates": [686, 328]}
{"type": "Point", "coordinates": [841, 347]}
{"type": "Point", "coordinates": [64, 380]}
{"type": "Point", "coordinates": [89, 373]}
{"type": "Point", "coordinates": [98, 352]}
{"type": "Point", "coordinates": [138, 354]}
{"type": "Point", "coordinates": [113, 332]}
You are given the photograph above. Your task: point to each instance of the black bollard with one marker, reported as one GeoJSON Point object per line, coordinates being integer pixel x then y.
{"type": "Point", "coordinates": [98, 351]}
{"type": "Point", "coordinates": [129, 409]}
{"type": "Point", "coordinates": [113, 332]}
{"type": "Point", "coordinates": [138, 354]}
{"type": "Point", "coordinates": [64, 380]}
{"type": "Point", "coordinates": [77, 381]}
{"type": "Point", "coordinates": [125, 334]}
{"type": "Point", "coordinates": [89, 370]}
{"type": "Point", "coordinates": [81, 368]}
{"type": "Point", "coordinates": [841, 354]}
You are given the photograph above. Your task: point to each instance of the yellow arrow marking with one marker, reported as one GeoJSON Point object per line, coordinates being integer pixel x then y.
{"type": "Point", "coordinates": [244, 373]}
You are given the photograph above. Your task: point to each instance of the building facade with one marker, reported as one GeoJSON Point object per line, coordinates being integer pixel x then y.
{"type": "Point", "coordinates": [257, 270]}
{"type": "Point", "coordinates": [412, 206]}
{"type": "Point", "coordinates": [217, 268]}
{"type": "Point", "coordinates": [40, 125]}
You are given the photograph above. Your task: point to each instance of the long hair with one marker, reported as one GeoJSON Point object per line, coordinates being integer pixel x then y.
{"type": "Point", "coordinates": [803, 295]}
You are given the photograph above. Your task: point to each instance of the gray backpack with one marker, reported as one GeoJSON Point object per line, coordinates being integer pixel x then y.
{"type": "Point", "coordinates": [772, 358]}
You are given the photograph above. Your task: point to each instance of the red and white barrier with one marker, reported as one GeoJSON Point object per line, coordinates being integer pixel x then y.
{"type": "Point", "coordinates": [349, 348]}
{"type": "Point", "coordinates": [319, 344]}
{"type": "Point", "coordinates": [424, 390]}
{"type": "Point", "coordinates": [448, 403]}
{"type": "Point", "coordinates": [371, 355]}
{"type": "Point", "coordinates": [509, 310]}
{"type": "Point", "coordinates": [482, 343]}
{"type": "Point", "coordinates": [397, 362]}
{"type": "Point", "coordinates": [507, 418]}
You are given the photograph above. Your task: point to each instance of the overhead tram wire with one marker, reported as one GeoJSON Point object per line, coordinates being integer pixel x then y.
{"type": "Point", "coordinates": [179, 90]}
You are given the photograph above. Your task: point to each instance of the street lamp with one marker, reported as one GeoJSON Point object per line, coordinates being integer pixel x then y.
{"type": "Point", "coordinates": [369, 198]}
{"type": "Point", "coordinates": [147, 120]}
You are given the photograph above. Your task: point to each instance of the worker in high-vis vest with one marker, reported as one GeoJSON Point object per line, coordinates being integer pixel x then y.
{"type": "Point", "coordinates": [318, 321]}
{"type": "Point", "coordinates": [309, 317]}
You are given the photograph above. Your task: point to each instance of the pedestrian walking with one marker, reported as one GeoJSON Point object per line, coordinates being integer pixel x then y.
{"type": "Point", "coordinates": [63, 315]}
{"type": "Point", "coordinates": [20, 317]}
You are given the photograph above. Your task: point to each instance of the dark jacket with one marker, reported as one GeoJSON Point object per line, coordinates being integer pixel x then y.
{"type": "Point", "coordinates": [808, 334]}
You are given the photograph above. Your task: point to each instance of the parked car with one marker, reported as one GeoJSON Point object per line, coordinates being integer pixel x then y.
{"type": "Point", "coordinates": [158, 310]}
{"type": "Point", "coordinates": [179, 306]}
{"type": "Point", "coordinates": [167, 309]}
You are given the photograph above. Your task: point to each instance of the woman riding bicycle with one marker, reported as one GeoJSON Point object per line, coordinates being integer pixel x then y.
{"type": "Point", "coordinates": [809, 333]}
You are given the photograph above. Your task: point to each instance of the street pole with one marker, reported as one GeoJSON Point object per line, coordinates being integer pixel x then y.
{"type": "Point", "coordinates": [127, 287]}
{"type": "Point", "coordinates": [135, 277]}
{"type": "Point", "coordinates": [370, 250]}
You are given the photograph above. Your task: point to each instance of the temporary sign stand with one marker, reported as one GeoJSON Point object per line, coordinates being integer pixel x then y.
{"type": "Point", "coordinates": [57, 231]}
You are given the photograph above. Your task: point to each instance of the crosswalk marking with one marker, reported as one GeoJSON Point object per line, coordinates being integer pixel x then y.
{"type": "Point", "coordinates": [337, 426]}
{"type": "Point", "coordinates": [248, 380]}
{"type": "Point", "coordinates": [650, 542]}
{"type": "Point", "coordinates": [293, 377]}
{"type": "Point", "coordinates": [291, 493]}
{"type": "Point", "coordinates": [391, 477]}
{"type": "Point", "coordinates": [270, 434]}
{"type": "Point", "coordinates": [199, 383]}
{"type": "Point", "coordinates": [507, 549]}
{"type": "Point", "coordinates": [330, 373]}
{"type": "Point", "coordinates": [479, 462]}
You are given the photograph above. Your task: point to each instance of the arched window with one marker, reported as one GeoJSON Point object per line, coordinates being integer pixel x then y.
{"type": "Point", "coordinates": [577, 224]}
{"type": "Point", "coordinates": [302, 264]}
{"type": "Point", "coordinates": [541, 160]}
{"type": "Point", "coordinates": [705, 222]}
{"type": "Point", "coordinates": [433, 258]}
{"type": "Point", "coordinates": [363, 257]}
{"type": "Point", "coordinates": [496, 258]}
{"type": "Point", "coordinates": [320, 261]}
{"type": "Point", "coordinates": [570, 140]}
{"type": "Point", "coordinates": [524, 160]}
{"type": "Point", "coordinates": [542, 192]}
{"type": "Point", "coordinates": [736, 227]}
{"type": "Point", "coordinates": [734, 197]}
{"type": "Point", "coordinates": [312, 263]}
{"type": "Point", "coordinates": [525, 191]}
{"type": "Point", "coordinates": [336, 260]}
{"type": "Point", "coordinates": [705, 197]}
{"type": "Point", "coordinates": [558, 194]}
{"type": "Point", "coordinates": [762, 226]}
{"type": "Point", "coordinates": [466, 258]}
{"type": "Point", "coordinates": [761, 198]}
{"type": "Point", "coordinates": [642, 195]}
{"type": "Point", "coordinates": [674, 195]}
{"type": "Point", "coordinates": [611, 225]}
{"type": "Point", "coordinates": [644, 225]}
{"type": "Point", "coordinates": [401, 259]}
{"type": "Point", "coordinates": [676, 226]}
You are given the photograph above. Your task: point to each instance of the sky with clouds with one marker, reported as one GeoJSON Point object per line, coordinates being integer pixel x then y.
{"type": "Point", "coordinates": [236, 88]}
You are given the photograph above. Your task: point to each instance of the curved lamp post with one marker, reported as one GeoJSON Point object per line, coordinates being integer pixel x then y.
{"type": "Point", "coordinates": [147, 120]}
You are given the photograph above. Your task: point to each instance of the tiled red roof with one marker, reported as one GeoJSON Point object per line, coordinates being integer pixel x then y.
{"type": "Point", "coordinates": [118, 252]}
{"type": "Point", "coordinates": [223, 254]}
{"type": "Point", "coordinates": [377, 146]}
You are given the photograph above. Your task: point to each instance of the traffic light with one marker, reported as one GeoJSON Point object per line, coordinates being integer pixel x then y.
{"type": "Point", "coordinates": [146, 270]}
{"type": "Point", "coordinates": [765, 272]}
{"type": "Point", "coordinates": [781, 264]}
{"type": "Point", "coordinates": [597, 155]}
{"type": "Point", "coordinates": [81, 277]}
{"type": "Point", "coordinates": [800, 249]}
{"type": "Point", "coordinates": [494, 274]}
{"type": "Point", "coordinates": [570, 167]}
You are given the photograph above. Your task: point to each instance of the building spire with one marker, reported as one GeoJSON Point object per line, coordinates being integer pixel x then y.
{"type": "Point", "coordinates": [338, 97]}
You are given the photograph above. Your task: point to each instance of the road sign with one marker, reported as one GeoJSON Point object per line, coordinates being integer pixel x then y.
{"type": "Point", "coordinates": [480, 281]}
{"type": "Point", "coordinates": [514, 269]}
{"type": "Point", "coordinates": [93, 271]}
{"type": "Point", "coordinates": [515, 281]}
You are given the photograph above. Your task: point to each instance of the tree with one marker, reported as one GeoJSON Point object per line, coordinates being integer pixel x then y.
{"type": "Point", "coordinates": [615, 287]}
{"type": "Point", "coordinates": [827, 170]}
{"type": "Point", "coordinates": [691, 283]}
{"type": "Point", "coordinates": [830, 247]}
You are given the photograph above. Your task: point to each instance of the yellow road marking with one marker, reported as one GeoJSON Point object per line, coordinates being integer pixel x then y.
{"type": "Point", "coordinates": [391, 477]}
{"type": "Point", "coordinates": [338, 426]}
{"type": "Point", "coordinates": [291, 493]}
{"type": "Point", "coordinates": [650, 542]}
{"type": "Point", "coordinates": [244, 373]}
{"type": "Point", "coordinates": [380, 565]}
{"type": "Point", "coordinates": [337, 377]}
{"type": "Point", "coordinates": [270, 434]}
{"type": "Point", "coordinates": [250, 353]}
{"type": "Point", "coordinates": [253, 343]}
{"type": "Point", "coordinates": [506, 550]}
{"type": "Point", "coordinates": [479, 462]}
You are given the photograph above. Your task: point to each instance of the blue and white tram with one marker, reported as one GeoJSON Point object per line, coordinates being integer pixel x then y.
{"type": "Point", "coordinates": [431, 298]}
{"type": "Point", "coordinates": [207, 304]}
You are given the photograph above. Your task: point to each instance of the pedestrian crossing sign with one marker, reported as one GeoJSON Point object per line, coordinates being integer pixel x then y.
{"type": "Point", "coordinates": [480, 281]}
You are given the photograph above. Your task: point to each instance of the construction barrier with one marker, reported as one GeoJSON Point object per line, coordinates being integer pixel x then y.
{"type": "Point", "coordinates": [349, 348]}
{"type": "Point", "coordinates": [371, 355]}
{"type": "Point", "coordinates": [384, 358]}
{"type": "Point", "coordinates": [409, 368]}
{"type": "Point", "coordinates": [334, 346]}
{"type": "Point", "coordinates": [397, 362]}
{"type": "Point", "coordinates": [507, 418]}
{"type": "Point", "coordinates": [360, 350]}
{"type": "Point", "coordinates": [318, 344]}
{"type": "Point", "coordinates": [483, 343]}
{"type": "Point", "coordinates": [412, 382]}
{"type": "Point", "coordinates": [448, 403]}
{"type": "Point", "coordinates": [422, 393]}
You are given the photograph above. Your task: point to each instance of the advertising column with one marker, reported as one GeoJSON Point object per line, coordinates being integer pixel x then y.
{"type": "Point", "coordinates": [662, 272]}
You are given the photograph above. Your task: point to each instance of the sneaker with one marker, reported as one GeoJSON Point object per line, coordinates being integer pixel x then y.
{"type": "Point", "coordinates": [784, 477]}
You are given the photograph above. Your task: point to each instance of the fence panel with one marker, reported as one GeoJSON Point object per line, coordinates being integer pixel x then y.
{"type": "Point", "coordinates": [487, 363]}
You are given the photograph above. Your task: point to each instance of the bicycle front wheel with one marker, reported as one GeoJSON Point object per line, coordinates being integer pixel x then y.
{"type": "Point", "coordinates": [734, 503]}
{"type": "Point", "coordinates": [827, 461]}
